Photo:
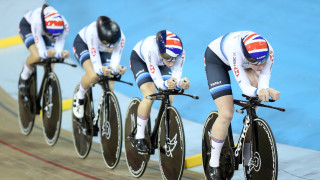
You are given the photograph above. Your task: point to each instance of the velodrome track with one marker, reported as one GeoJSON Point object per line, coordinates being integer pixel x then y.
{"type": "Point", "coordinates": [29, 157]}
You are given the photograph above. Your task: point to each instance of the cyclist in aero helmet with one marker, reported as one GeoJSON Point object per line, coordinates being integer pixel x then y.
{"type": "Point", "coordinates": [98, 48]}
{"type": "Point", "coordinates": [43, 31]}
{"type": "Point", "coordinates": [151, 62]}
{"type": "Point", "coordinates": [250, 57]}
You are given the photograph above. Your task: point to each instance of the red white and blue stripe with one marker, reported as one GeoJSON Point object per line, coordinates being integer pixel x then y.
{"type": "Point", "coordinates": [173, 45]}
{"type": "Point", "coordinates": [54, 22]}
{"type": "Point", "coordinates": [256, 46]}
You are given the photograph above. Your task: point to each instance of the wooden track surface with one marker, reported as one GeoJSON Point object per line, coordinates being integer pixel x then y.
{"type": "Point", "coordinates": [29, 157]}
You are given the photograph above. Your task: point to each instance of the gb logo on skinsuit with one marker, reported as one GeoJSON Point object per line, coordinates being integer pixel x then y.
{"type": "Point", "coordinates": [93, 52]}
{"type": "Point", "coordinates": [152, 69]}
{"type": "Point", "coordinates": [236, 71]}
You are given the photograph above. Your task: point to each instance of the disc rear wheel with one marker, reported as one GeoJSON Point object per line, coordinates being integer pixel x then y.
{"type": "Point", "coordinates": [136, 162]}
{"type": "Point", "coordinates": [27, 105]}
{"type": "Point", "coordinates": [82, 129]}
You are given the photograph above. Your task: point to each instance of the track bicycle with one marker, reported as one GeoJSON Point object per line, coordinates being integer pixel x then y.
{"type": "Point", "coordinates": [108, 112]}
{"type": "Point", "coordinates": [167, 136]}
{"type": "Point", "coordinates": [263, 163]}
{"type": "Point", "coordinates": [50, 93]}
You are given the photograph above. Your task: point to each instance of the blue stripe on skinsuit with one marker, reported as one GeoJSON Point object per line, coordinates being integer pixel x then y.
{"type": "Point", "coordinates": [28, 40]}
{"type": "Point", "coordinates": [83, 56]}
{"type": "Point", "coordinates": [220, 88]}
{"type": "Point", "coordinates": [222, 44]}
{"type": "Point", "coordinates": [142, 76]}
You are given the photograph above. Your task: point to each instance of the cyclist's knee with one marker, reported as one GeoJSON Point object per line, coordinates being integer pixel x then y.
{"type": "Point", "coordinates": [226, 115]}
{"type": "Point", "coordinates": [92, 77]}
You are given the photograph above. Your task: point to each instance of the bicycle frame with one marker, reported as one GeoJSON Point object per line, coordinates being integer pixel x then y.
{"type": "Point", "coordinates": [104, 83]}
{"type": "Point", "coordinates": [165, 104]}
{"type": "Point", "coordinates": [250, 107]}
{"type": "Point", "coordinates": [46, 63]}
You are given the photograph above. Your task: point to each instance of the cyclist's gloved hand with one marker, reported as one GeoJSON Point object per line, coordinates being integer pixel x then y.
{"type": "Point", "coordinates": [263, 95]}
{"type": "Point", "coordinates": [171, 83]}
{"type": "Point", "coordinates": [51, 52]}
{"type": "Point", "coordinates": [184, 83]}
{"type": "Point", "coordinates": [107, 71]}
{"type": "Point", "coordinates": [275, 95]}
{"type": "Point", "coordinates": [121, 69]}
{"type": "Point", "coordinates": [65, 54]}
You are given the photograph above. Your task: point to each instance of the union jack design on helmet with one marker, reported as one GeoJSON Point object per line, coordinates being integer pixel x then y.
{"type": "Point", "coordinates": [255, 48]}
{"type": "Point", "coordinates": [170, 45]}
{"type": "Point", "coordinates": [54, 24]}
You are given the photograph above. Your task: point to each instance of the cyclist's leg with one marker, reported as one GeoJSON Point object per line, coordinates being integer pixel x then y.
{"type": "Point", "coordinates": [147, 87]}
{"type": "Point", "coordinates": [220, 88]}
{"type": "Point", "coordinates": [28, 39]}
{"type": "Point", "coordinates": [144, 108]}
{"type": "Point", "coordinates": [82, 54]}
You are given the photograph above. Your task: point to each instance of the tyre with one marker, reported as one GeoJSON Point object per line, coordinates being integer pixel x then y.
{"type": "Point", "coordinates": [27, 105]}
{"type": "Point", "coordinates": [171, 147]}
{"type": "Point", "coordinates": [136, 162]}
{"type": "Point", "coordinates": [82, 129]}
{"type": "Point", "coordinates": [264, 161]}
{"type": "Point", "coordinates": [111, 130]}
{"type": "Point", "coordinates": [51, 109]}
{"type": "Point", "coordinates": [227, 159]}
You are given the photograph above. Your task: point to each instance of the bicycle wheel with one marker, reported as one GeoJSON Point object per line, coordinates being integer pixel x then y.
{"type": "Point", "coordinates": [111, 130]}
{"type": "Point", "coordinates": [172, 147]}
{"type": "Point", "coordinates": [27, 106]}
{"type": "Point", "coordinates": [227, 160]}
{"type": "Point", "coordinates": [264, 162]}
{"type": "Point", "coordinates": [51, 109]}
{"type": "Point", "coordinates": [82, 129]}
{"type": "Point", "coordinates": [136, 162]}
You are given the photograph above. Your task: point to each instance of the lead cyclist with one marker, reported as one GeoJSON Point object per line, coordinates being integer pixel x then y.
{"type": "Point", "coordinates": [250, 57]}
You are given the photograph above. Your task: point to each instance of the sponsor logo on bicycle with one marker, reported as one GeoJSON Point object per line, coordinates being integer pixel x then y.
{"type": "Point", "coordinates": [255, 162]}
{"type": "Point", "coordinates": [106, 129]}
{"type": "Point", "coordinates": [272, 147]}
{"type": "Point", "coordinates": [170, 145]}
{"type": "Point", "coordinates": [243, 135]}
{"type": "Point", "coordinates": [180, 131]}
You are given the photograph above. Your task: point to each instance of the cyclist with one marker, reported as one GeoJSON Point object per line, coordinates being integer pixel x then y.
{"type": "Point", "coordinates": [250, 57]}
{"type": "Point", "coordinates": [98, 48]}
{"type": "Point", "coordinates": [151, 62]}
{"type": "Point", "coordinates": [43, 31]}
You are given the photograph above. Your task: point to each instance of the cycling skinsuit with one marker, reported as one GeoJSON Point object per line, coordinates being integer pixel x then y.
{"type": "Point", "coordinates": [146, 65]}
{"type": "Point", "coordinates": [31, 31]}
{"type": "Point", "coordinates": [88, 46]}
{"type": "Point", "coordinates": [224, 54]}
